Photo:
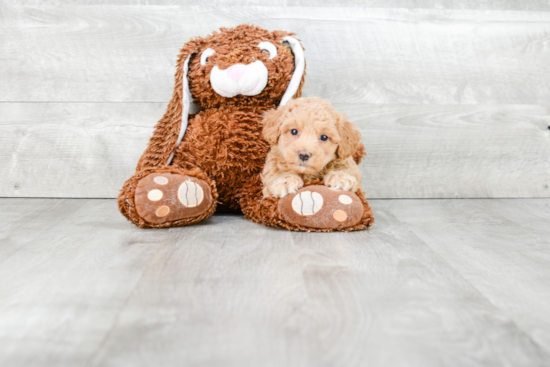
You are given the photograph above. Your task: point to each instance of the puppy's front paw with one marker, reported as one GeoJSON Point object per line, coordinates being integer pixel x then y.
{"type": "Point", "coordinates": [341, 180]}
{"type": "Point", "coordinates": [284, 185]}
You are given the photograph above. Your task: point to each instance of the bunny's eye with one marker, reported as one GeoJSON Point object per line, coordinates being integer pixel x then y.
{"type": "Point", "coordinates": [269, 47]}
{"type": "Point", "coordinates": [324, 137]}
{"type": "Point", "coordinates": [294, 132]}
{"type": "Point", "coordinates": [206, 55]}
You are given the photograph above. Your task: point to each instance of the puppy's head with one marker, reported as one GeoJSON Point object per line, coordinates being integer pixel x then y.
{"type": "Point", "coordinates": [310, 133]}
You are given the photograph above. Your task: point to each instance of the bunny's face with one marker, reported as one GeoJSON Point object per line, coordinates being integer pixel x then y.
{"type": "Point", "coordinates": [246, 65]}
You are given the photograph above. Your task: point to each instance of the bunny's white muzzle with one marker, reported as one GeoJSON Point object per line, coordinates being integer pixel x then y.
{"type": "Point", "coordinates": [248, 80]}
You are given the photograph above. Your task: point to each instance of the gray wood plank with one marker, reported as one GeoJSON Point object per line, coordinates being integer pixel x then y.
{"type": "Point", "coordinates": [96, 291]}
{"type": "Point", "coordinates": [89, 150]}
{"type": "Point", "coordinates": [12, 211]}
{"type": "Point", "coordinates": [383, 291]}
{"type": "Point", "coordinates": [26, 220]}
{"type": "Point", "coordinates": [227, 289]}
{"type": "Point", "coordinates": [532, 5]}
{"type": "Point", "coordinates": [454, 151]}
{"type": "Point", "coordinates": [62, 290]}
{"type": "Point", "coordinates": [372, 55]}
{"type": "Point", "coordinates": [502, 247]}
{"type": "Point", "coordinates": [72, 149]}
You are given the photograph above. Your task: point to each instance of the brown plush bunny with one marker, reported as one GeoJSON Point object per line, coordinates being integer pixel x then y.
{"type": "Point", "coordinates": [196, 163]}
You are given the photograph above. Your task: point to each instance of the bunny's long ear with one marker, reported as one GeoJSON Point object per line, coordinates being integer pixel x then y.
{"type": "Point", "coordinates": [299, 68]}
{"type": "Point", "coordinates": [185, 102]}
{"type": "Point", "coordinates": [170, 129]}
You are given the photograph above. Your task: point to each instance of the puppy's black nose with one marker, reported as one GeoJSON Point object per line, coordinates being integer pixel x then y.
{"type": "Point", "coordinates": [303, 155]}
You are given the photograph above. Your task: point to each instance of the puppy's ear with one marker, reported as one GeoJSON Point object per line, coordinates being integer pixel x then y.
{"type": "Point", "coordinates": [271, 123]}
{"type": "Point", "coordinates": [350, 137]}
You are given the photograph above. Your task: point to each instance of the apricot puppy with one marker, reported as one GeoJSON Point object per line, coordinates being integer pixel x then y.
{"type": "Point", "coordinates": [309, 140]}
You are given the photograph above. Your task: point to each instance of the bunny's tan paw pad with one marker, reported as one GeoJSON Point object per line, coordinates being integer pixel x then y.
{"type": "Point", "coordinates": [166, 197]}
{"type": "Point", "coordinates": [318, 206]}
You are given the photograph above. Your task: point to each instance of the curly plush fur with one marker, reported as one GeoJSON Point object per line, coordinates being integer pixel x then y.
{"type": "Point", "coordinates": [309, 140]}
{"type": "Point", "coordinates": [223, 144]}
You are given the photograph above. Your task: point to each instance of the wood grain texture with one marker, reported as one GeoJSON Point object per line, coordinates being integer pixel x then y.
{"type": "Point", "coordinates": [407, 292]}
{"type": "Point", "coordinates": [90, 289]}
{"type": "Point", "coordinates": [72, 149]}
{"type": "Point", "coordinates": [63, 287]}
{"type": "Point", "coordinates": [454, 151]}
{"type": "Point", "coordinates": [533, 5]}
{"type": "Point", "coordinates": [90, 149]}
{"type": "Point", "coordinates": [501, 247]}
{"type": "Point", "coordinates": [26, 220]}
{"type": "Point", "coordinates": [123, 53]}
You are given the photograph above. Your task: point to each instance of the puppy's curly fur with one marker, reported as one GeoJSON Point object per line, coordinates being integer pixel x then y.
{"type": "Point", "coordinates": [310, 140]}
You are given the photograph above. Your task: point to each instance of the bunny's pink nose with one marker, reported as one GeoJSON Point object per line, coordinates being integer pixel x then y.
{"type": "Point", "coordinates": [236, 71]}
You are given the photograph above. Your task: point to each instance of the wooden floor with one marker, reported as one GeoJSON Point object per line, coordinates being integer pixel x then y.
{"type": "Point", "coordinates": [433, 283]}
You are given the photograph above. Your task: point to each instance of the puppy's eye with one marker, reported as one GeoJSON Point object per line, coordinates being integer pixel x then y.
{"type": "Point", "coordinates": [324, 137]}
{"type": "Point", "coordinates": [206, 55]}
{"type": "Point", "coordinates": [294, 132]}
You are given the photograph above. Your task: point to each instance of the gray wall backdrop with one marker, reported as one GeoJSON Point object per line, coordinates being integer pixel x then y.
{"type": "Point", "coordinates": [452, 97]}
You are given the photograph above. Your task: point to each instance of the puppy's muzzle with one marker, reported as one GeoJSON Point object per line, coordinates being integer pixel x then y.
{"type": "Point", "coordinates": [304, 155]}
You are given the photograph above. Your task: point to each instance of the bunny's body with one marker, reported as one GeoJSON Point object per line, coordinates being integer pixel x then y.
{"type": "Point", "coordinates": [195, 162]}
{"type": "Point", "coordinates": [226, 143]}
